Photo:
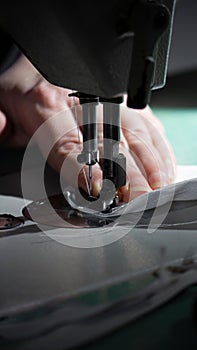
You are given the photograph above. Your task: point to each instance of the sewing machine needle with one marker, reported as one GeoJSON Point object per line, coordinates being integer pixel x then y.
{"type": "Point", "coordinates": [90, 179]}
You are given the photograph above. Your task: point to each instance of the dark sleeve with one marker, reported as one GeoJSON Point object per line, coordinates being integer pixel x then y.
{"type": "Point", "coordinates": [9, 52]}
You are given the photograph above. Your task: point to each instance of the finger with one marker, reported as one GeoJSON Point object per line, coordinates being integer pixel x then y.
{"type": "Point", "coordinates": [164, 149]}
{"type": "Point", "coordinates": [8, 135]}
{"type": "Point", "coordinates": [140, 143]}
{"type": "Point", "coordinates": [84, 180]}
{"type": "Point", "coordinates": [136, 184]}
{"type": "Point", "coordinates": [3, 127]}
{"type": "Point", "coordinates": [160, 141]}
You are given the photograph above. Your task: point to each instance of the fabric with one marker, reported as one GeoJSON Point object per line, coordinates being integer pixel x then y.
{"type": "Point", "coordinates": [172, 206]}
{"type": "Point", "coordinates": [183, 191]}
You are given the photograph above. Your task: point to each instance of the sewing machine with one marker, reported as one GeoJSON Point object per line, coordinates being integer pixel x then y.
{"type": "Point", "coordinates": [102, 50]}
{"type": "Point", "coordinates": [39, 276]}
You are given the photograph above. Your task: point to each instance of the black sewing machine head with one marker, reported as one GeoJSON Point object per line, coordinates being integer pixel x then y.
{"type": "Point", "coordinates": [102, 48]}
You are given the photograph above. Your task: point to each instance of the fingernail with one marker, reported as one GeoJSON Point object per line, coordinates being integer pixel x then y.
{"type": "Point", "coordinates": [157, 180]}
{"type": "Point", "coordinates": [96, 188]}
{"type": "Point", "coordinates": [127, 187]}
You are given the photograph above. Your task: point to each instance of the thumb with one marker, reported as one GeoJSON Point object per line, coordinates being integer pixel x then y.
{"type": "Point", "coordinates": [5, 128]}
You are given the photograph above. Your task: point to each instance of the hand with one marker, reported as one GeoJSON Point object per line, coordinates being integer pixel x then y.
{"type": "Point", "coordinates": [27, 100]}
{"type": "Point", "coordinates": [150, 158]}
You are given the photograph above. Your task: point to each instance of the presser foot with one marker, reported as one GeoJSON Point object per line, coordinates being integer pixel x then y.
{"type": "Point", "coordinates": [103, 205]}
